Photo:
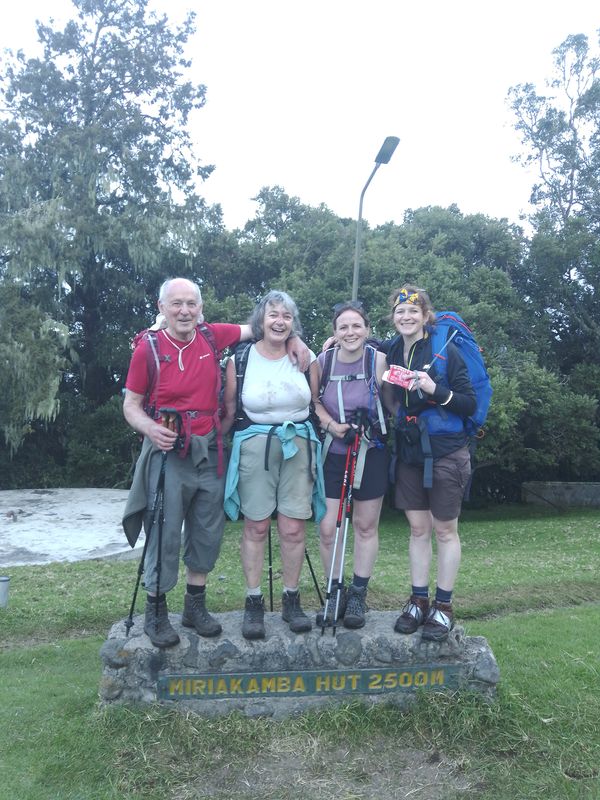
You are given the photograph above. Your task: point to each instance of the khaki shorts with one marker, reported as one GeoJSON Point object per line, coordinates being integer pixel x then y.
{"type": "Point", "coordinates": [450, 478]}
{"type": "Point", "coordinates": [286, 486]}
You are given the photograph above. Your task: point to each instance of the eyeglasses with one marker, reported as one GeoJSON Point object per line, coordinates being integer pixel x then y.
{"type": "Point", "coordinates": [339, 307]}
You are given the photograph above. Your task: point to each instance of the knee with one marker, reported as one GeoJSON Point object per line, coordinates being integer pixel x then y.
{"type": "Point", "coordinates": [326, 536]}
{"type": "Point", "coordinates": [421, 532]}
{"type": "Point", "coordinates": [292, 531]}
{"type": "Point", "coordinates": [256, 530]}
{"type": "Point", "coordinates": [446, 534]}
{"type": "Point", "coordinates": [365, 533]}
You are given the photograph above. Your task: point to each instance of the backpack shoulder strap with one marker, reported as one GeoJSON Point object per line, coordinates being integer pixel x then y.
{"type": "Point", "coordinates": [240, 360]}
{"type": "Point", "coordinates": [210, 338]}
{"type": "Point", "coordinates": [153, 370]}
{"type": "Point", "coordinates": [326, 371]}
{"type": "Point", "coordinates": [370, 373]}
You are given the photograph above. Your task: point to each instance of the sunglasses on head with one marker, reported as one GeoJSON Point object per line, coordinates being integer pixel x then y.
{"type": "Point", "coordinates": [338, 307]}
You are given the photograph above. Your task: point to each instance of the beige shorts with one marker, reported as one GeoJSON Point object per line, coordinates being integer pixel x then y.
{"type": "Point", "coordinates": [287, 484]}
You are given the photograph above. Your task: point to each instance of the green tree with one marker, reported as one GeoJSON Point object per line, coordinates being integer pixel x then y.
{"type": "Point", "coordinates": [32, 356]}
{"type": "Point", "coordinates": [560, 132]}
{"type": "Point", "coordinates": [98, 183]}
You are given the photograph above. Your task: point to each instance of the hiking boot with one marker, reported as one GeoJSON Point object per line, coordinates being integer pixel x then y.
{"type": "Point", "coordinates": [196, 616]}
{"type": "Point", "coordinates": [320, 618]}
{"type": "Point", "coordinates": [253, 626]}
{"type": "Point", "coordinates": [356, 607]}
{"type": "Point", "coordinates": [292, 613]}
{"type": "Point", "coordinates": [439, 622]}
{"type": "Point", "coordinates": [412, 615]}
{"type": "Point", "coordinates": [157, 626]}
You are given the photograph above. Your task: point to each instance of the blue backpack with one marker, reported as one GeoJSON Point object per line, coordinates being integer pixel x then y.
{"type": "Point", "coordinates": [450, 327]}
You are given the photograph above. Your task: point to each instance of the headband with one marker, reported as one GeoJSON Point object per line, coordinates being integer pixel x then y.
{"type": "Point", "coordinates": [405, 297]}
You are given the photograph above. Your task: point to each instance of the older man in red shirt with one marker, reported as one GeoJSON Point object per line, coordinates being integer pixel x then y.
{"type": "Point", "coordinates": [179, 368]}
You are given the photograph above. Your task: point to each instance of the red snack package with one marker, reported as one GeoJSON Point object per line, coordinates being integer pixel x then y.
{"type": "Point", "coordinates": [400, 376]}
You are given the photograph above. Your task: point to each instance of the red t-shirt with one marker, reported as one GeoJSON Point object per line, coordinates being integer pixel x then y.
{"type": "Point", "coordinates": [190, 389]}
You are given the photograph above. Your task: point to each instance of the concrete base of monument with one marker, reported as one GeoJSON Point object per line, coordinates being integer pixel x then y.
{"type": "Point", "coordinates": [289, 673]}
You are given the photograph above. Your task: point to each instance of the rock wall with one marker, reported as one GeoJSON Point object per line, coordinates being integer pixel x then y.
{"type": "Point", "coordinates": [288, 673]}
{"type": "Point", "coordinates": [562, 494]}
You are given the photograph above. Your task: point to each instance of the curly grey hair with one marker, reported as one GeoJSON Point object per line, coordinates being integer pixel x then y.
{"type": "Point", "coordinates": [274, 298]}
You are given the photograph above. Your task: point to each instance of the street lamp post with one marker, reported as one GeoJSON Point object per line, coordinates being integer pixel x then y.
{"type": "Point", "coordinates": [383, 156]}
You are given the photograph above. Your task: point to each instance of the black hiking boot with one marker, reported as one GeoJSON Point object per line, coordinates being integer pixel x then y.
{"type": "Point", "coordinates": [157, 626]}
{"type": "Point", "coordinates": [320, 618]}
{"type": "Point", "coordinates": [196, 616]}
{"type": "Point", "coordinates": [292, 613]}
{"type": "Point", "coordinates": [356, 607]}
{"type": "Point", "coordinates": [412, 615]}
{"type": "Point", "coordinates": [253, 626]}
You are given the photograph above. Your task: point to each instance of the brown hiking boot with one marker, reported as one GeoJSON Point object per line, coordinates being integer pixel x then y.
{"type": "Point", "coordinates": [439, 622]}
{"type": "Point", "coordinates": [157, 626]}
{"type": "Point", "coordinates": [196, 616]}
{"type": "Point", "coordinates": [412, 615]}
{"type": "Point", "coordinates": [292, 613]}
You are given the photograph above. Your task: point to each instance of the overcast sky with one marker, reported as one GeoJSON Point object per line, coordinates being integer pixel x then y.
{"type": "Point", "coordinates": [302, 93]}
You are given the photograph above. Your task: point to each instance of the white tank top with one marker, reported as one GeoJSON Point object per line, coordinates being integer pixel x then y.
{"type": "Point", "coordinates": [275, 391]}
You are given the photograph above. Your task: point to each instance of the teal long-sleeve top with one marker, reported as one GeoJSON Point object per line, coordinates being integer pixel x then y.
{"type": "Point", "coordinates": [286, 433]}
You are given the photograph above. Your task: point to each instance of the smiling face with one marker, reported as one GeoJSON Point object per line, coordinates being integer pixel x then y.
{"type": "Point", "coordinates": [182, 307]}
{"type": "Point", "coordinates": [351, 332]}
{"type": "Point", "coordinates": [409, 320]}
{"type": "Point", "coordinates": [277, 323]}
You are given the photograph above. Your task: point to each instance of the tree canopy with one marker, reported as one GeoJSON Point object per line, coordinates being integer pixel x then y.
{"type": "Point", "coordinates": [100, 201]}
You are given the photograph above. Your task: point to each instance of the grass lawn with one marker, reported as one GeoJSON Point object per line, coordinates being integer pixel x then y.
{"type": "Point", "coordinates": [529, 583]}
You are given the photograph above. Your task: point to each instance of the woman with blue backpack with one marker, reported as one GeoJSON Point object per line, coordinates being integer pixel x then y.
{"type": "Point", "coordinates": [432, 397]}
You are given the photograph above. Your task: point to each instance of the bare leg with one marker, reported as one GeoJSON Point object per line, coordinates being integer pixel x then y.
{"type": "Point", "coordinates": [448, 552]}
{"type": "Point", "coordinates": [365, 521]}
{"type": "Point", "coordinates": [419, 546]}
{"type": "Point", "coordinates": [291, 536]}
{"type": "Point", "coordinates": [252, 550]}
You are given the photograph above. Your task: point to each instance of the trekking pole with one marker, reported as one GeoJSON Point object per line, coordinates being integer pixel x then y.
{"type": "Point", "coordinates": [348, 510]}
{"type": "Point", "coordinates": [314, 577]}
{"type": "Point", "coordinates": [338, 526]}
{"type": "Point", "coordinates": [157, 500]}
{"type": "Point", "coordinates": [171, 420]}
{"type": "Point", "coordinates": [270, 570]}
{"type": "Point", "coordinates": [345, 503]}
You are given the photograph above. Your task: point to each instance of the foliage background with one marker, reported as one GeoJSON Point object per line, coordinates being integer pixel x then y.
{"type": "Point", "coordinates": [100, 201]}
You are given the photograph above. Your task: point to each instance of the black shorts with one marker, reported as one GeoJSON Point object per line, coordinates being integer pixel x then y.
{"type": "Point", "coordinates": [374, 481]}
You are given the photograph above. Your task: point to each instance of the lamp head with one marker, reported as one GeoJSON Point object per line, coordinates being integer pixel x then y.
{"type": "Point", "coordinates": [387, 150]}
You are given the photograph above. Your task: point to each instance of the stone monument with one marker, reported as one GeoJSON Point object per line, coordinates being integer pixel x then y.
{"type": "Point", "coordinates": [288, 673]}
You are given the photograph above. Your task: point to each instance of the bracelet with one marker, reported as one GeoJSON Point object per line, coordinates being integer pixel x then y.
{"type": "Point", "coordinates": [450, 396]}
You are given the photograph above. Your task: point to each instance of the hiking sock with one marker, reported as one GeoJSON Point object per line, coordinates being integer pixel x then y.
{"type": "Point", "coordinates": [442, 596]}
{"type": "Point", "coordinates": [420, 591]}
{"type": "Point", "coordinates": [254, 592]}
{"type": "Point", "coordinates": [361, 583]}
{"type": "Point", "coordinates": [288, 589]}
{"type": "Point", "coordinates": [161, 598]}
{"type": "Point", "coordinates": [192, 589]}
